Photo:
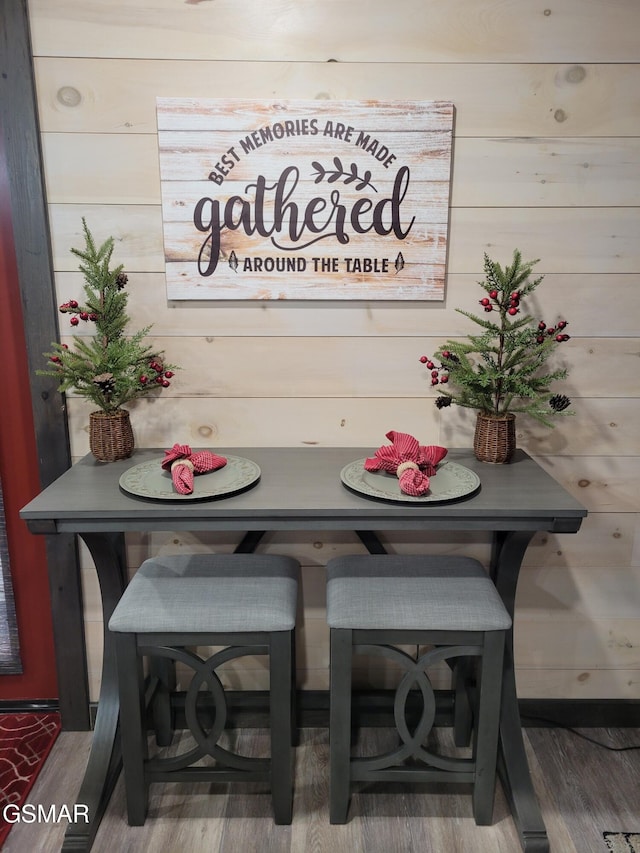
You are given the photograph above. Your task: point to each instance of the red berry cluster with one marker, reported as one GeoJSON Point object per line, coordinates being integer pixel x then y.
{"type": "Point", "coordinates": [71, 307]}
{"type": "Point", "coordinates": [437, 376]}
{"type": "Point", "coordinates": [513, 302]}
{"type": "Point", "coordinates": [56, 358]}
{"type": "Point", "coordinates": [552, 332]}
{"type": "Point", "coordinates": [161, 377]}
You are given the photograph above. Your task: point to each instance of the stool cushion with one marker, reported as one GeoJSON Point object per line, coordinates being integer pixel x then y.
{"type": "Point", "coordinates": [205, 593]}
{"type": "Point", "coordinates": [388, 591]}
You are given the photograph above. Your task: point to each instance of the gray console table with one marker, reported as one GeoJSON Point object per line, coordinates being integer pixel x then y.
{"type": "Point", "coordinates": [300, 489]}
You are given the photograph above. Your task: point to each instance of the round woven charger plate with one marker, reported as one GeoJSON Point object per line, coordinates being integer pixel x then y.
{"type": "Point", "coordinates": [149, 480]}
{"type": "Point", "coordinates": [451, 483]}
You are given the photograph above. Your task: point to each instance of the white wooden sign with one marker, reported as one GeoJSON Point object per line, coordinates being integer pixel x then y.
{"type": "Point", "coordinates": [305, 199]}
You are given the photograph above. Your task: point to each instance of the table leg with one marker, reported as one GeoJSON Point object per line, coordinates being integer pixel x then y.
{"type": "Point", "coordinates": [249, 542]}
{"type": "Point", "coordinates": [371, 541]}
{"type": "Point", "coordinates": [105, 759]}
{"type": "Point", "coordinates": [513, 767]}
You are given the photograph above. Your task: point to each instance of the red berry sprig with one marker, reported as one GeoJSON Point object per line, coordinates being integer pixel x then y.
{"type": "Point", "coordinates": [72, 307]}
{"type": "Point", "coordinates": [161, 376]}
{"type": "Point", "coordinates": [438, 374]}
{"type": "Point", "coordinates": [508, 355]}
{"type": "Point", "coordinates": [553, 332]}
{"type": "Point", "coordinates": [512, 304]}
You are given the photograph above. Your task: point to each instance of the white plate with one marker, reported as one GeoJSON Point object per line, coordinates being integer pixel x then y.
{"type": "Point", "coordinates": [149, 480]}
{"type": "Point", "coordinates": [451, 483]}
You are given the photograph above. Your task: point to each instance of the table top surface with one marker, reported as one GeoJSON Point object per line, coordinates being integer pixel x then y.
{"type": "Point", "coordinates": [301, 488]}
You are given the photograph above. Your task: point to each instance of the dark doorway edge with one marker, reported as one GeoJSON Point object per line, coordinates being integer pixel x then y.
{"type": "Point", "coordinates": [21, 136]}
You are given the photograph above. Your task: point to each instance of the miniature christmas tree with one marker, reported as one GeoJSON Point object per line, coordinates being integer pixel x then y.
{"type": "Point", "coordinates": [502, 369]}
{"type": "Point", "coordinates": [110, 368]}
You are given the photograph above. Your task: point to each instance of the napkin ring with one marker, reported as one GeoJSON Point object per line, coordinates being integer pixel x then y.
{"type": "Point", "coordinates": [189, 464]}
{"type": "Point", "coordinates": [405, 466]}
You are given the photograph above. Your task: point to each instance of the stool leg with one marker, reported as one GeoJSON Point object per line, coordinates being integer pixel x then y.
{"type": "Point", "coordinates": [295, 731]}
{"type": "Point", "coordinates": [462, 714]}
{"type": "Point", "coordinates": [487, 727]}
{"type": "Point", "coordinates": [165, 671]}
{"type": "Point", "coordinates": [281, 733]}
{"type": "Point", "coordinates": [133, 730]}
{"type": "Point", "coordinates": [340, 724]}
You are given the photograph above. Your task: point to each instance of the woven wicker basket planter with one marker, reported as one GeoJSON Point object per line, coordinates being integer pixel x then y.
{"type": "Point", "coordinates": [495, 437]}
{"type": "Point", "coordinates": [110, 435]}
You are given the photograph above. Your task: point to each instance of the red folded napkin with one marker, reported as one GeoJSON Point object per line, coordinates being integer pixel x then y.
{"type": "Point", "coordinates": [183, 464]}
{"type": "Point", "coordinates": [413, 463]}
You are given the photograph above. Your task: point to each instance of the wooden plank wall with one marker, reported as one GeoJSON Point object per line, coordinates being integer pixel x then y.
{"type": "Point", "coordinates": [546, 158]}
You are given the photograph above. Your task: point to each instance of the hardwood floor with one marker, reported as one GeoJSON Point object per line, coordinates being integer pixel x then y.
{"type": "Point", "coordinates": [584, 790]}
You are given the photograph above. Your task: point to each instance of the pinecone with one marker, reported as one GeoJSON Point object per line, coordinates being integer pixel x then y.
{"type": "Point", "coordinates": [559, 402]}
{"type": "Point", "coordinates": [443, 402]}
{"type": "Point", "coordinates": [105, 382]}
{"type": "Point", "coordinates": [121, 280]}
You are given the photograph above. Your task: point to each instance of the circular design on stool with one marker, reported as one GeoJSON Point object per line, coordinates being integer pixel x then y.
{"type": "Point", "coordinates": [204, 673]}
{"type": "Point", "coordinates": [206, 741]}
{"type": "Point", "coordinates": [415, 674]}
{"type": "Point", "coordinates": [411, 743]}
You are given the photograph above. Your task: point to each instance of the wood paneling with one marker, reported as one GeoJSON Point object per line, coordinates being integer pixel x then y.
{"type": "Point", "coordinates": [546, 158]}
{"type": "Point", "coordinates": [576, 294]}
{"type": "Point", "coordinates": [340, 367]}
{"type": "Point", "coordinates": [607, 427]}
{"type": "Point", "coordinates": [115, 168]}
{"type": "Point", "coordinates": [601, 483]}
{"type": "Point", "coordinates": [415, 31]}
{"type": "Point", "coordinates": [491, 99]}
{"type": "Point", "coordinates": [600, 240]}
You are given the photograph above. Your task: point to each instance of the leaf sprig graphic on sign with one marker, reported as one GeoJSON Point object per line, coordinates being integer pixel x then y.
{"type": "Point", "coordinates": [339, 171]}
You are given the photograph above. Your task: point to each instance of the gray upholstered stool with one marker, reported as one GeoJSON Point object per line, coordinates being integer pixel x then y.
{"type": "Point", "coordinates": [245, 603]}
{"type": "Point", "coordinates": [378, 602]}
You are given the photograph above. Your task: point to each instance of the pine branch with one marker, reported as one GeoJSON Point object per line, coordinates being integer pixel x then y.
{"type": "Point", "coordinates": [109, 369]}
{"type": "Point", "coordinates": [502, 369]}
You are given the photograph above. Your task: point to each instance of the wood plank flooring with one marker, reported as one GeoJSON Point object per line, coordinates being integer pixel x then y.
{"type": "Point", "coordinates": [584, 790]}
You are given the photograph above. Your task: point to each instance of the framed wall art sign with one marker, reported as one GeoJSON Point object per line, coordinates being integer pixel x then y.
{"type": "Point", "coordinates": [305, 199]}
